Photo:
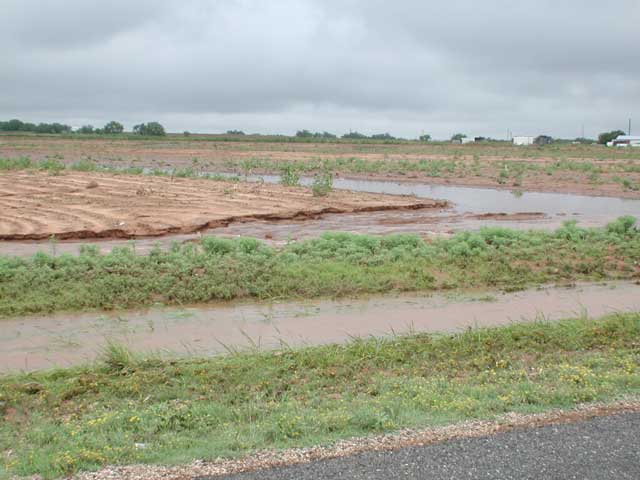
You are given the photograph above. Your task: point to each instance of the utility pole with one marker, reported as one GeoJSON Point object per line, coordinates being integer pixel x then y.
{"type": "Point", "coordinates": [629, 127]}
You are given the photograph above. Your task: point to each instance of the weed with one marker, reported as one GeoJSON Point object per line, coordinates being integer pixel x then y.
{"type": "Point", "coordinates": [322, 184]}
{"type": "Point", "coordinates": [289, 176]}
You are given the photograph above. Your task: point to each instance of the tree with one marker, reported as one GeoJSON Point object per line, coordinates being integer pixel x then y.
{"type": "Point", "coordinates": [458, 137]}
{"type": "Point", "coordinates": [425, 138]}
{"type": "Point", "coordinates": [86, 129]}
{"type": "Point", "coordinates": [382, 136]}
{"type": "Point", "coordinates": [304, 134]}
{"type": "Point", "coordinates": [151, 128]}
{"type": "Point", "coordinates": [324, 135]}
{"type": "Point", "coordinates": [235, 132]}
{"type": "Point", "coordinates": [155, 129]}
{"type": "Point", "coordinates": [607, 137]}
{"type": "Point", "coordinates": [356, 135]}
{"type": "Point", "coordinates": [113, 127]}
{"type": "Point", "coordinates": [13, 125]}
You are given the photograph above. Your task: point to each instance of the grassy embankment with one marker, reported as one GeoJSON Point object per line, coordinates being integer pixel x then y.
{"type": "Point", "coordinates": [336, 264]}
{"type": "Point", "coordinates": [126, 409]}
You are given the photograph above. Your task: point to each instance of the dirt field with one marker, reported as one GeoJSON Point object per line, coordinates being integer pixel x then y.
{"type": "Point", "coordinates": [36, 205]}
{"type": "Point", "coordinates": [591, 170]}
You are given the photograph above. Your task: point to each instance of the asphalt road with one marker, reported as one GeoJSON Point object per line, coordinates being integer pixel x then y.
{"type": "Point", "coordinates": [600, 448]}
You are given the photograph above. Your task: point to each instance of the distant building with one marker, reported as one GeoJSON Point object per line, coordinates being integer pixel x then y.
{"type": "Point", "coordinates": [523, 140]}
{"type": "Point", "coordinates": [543, 140]}
{"type": "Point", "coordinates": [625, 141]}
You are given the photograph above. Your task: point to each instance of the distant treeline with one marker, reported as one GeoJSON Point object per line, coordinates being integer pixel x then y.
{"type": "Point", "coordinates": [156, 129]}
{"type": "Point", "coordinates": [113, 127]}
{"type": "Point", "coordinates": [16, 125]}
{"type": "Point", "coordinates": [351, 135]}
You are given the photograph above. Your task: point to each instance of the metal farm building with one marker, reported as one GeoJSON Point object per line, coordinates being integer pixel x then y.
{"type": "Point", "coordinates": [523, 140]}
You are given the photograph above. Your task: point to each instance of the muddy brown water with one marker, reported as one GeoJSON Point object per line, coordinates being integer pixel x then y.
{"type": "Point", "coordinates": [471, 209]}
{"type": "Point", "coordinates": [34, 343]}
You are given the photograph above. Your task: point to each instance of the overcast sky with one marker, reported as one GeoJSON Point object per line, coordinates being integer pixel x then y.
{"type": "Point", "coordinates": [275, 66]}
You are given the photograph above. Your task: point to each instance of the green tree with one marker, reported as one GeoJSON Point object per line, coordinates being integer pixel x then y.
{"type": "Point", "coordinates": [86, 129]}
{"type": "Point", "coordinates": [607, 137]}
{"type": "Point", "coordinates": [324, 135]}
{"type": "Point", "coordinates": [151, 128]}
{"type": "Point", "coordinates": [13, 125]}
{"type": "Point", "coordinates": [356, 135]}
{"type": "Point", "coordinates": [304, 134]}
{"type": "Point", "coordinates": [458, 136]}
{"type": "Point", "coordinates": [113, 127]}
{"type": "Point", "coordinates": [156, 129]}
{"type": "Point", "coordinates": [425, 138]}
{"type": "Point", "coordinates": [383, 136]}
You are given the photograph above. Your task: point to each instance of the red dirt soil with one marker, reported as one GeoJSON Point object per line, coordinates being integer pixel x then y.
{"type": "Point", "coordinates": [76, 205]}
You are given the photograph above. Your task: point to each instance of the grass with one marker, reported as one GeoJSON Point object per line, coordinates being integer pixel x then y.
{"type": "Point", "coordinates": [336, 264]}
{"type": "Point", "coordinates": [128, 409]}
{"type": "Point", "coordinates": [56, 167]}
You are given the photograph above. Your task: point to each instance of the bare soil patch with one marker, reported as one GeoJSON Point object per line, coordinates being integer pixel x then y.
{"type": "Point", "coordinates": [36, 205]}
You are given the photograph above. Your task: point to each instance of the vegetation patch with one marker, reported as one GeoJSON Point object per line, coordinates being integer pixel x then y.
{"type": "Point", "coordinates": [335, 264]}
{"type": "Point", "coordinates": [128, 409]}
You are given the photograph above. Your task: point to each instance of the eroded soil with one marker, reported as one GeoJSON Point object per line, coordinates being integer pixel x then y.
{"type": "Point", "coordinates": [75, 205]}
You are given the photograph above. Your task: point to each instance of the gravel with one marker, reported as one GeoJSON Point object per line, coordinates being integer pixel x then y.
{"type": "Point", "coordinates": [605, 447]}
{"type": "Point", "coordinates": [549, 445]}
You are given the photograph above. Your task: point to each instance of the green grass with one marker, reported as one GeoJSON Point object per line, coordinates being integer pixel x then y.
{"type": "Point", "coordinates": [55, 166]}
{"type": "Point", "coordinates": [336, 264]}
{"type": "Point", "coordinates": [61, 421]}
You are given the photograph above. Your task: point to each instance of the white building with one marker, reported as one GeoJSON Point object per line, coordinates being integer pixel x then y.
{"type": "Point", "coordinates": [523, 140]}
{"type": "Point", "coordinates": [625, 141]}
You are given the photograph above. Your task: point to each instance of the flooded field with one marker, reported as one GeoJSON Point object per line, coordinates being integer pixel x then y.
{"type": "Point", "coordinates": [471, 208]}
{"type": "Point", "coordinates": [33, 343]}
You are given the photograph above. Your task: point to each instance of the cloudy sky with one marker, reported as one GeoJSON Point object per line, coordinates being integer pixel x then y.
{"type": "Point", "coordinates": [275, 66]}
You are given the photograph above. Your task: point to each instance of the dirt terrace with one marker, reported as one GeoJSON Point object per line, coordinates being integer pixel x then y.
{"type": "Point", "coordinates": [37, 205]}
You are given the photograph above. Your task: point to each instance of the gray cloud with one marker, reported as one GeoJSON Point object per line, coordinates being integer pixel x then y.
{"type": "Point", "coordinates": [371, 65]}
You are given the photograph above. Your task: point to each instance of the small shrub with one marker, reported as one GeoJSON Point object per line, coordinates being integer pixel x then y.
{"type": "Point", "coordinates": [84, 165]}
{"type": "Point", "coordinates": [622, 226]}
{"type": "Point", "coordinates": [322, 184]}
{"type": "Point", "coordinates": [289, 176]}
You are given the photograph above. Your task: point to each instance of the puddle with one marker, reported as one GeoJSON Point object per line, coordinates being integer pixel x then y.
{"type": "Point", "coordinates": [61, 340]}
{"type": "Point", "coordinates": [470, 206]}
{"type": "Point", "coordinates": [488, 200]}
